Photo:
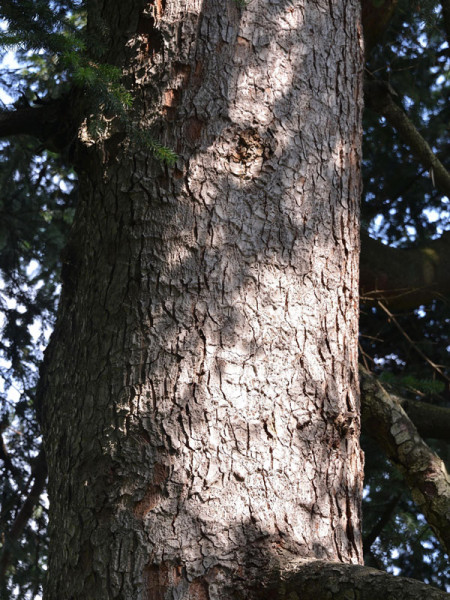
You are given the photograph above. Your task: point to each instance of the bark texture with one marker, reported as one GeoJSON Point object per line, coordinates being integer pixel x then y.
{"type": "Point", "coordinates": [425, 473]}
{"type": "Point", "coordinates": [200, 393]}
{"type": "Point", "coordinates": [318, 579]}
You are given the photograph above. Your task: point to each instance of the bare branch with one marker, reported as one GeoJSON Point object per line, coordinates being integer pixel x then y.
{"type": "Point", "coordinates": [424, 472]}
{"type": "Point", "coordinates": [413, 345]}
{"type": "Point", "coordinates": [378, 97]}
{"type": "Point", "coordinates": [317, 579]}
{"type": "Point", "coordinates": [404, 278]}
{"type": "Point", "coordinates": [39, 475]}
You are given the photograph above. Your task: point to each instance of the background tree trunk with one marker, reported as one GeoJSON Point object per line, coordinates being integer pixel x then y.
{"type": "Point", "coordinates": [201, 411]}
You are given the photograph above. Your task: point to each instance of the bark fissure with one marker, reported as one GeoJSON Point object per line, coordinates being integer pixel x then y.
{"type": "Point", "coordinates": [223, 323]}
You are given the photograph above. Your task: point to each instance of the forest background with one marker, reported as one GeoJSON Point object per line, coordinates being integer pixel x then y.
{"type": "Point", "coordinates": [405, 207]}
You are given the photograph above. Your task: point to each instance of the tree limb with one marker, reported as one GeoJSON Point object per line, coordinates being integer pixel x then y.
{"type": "Point", "coordinates": [431, 421]}
{"type": "Point", "coordinates": [375, 19]}
{"type": "Point", "coordinates": [404, 278]}
{"type": "Point", "coordinates": [318, 579]}
{"type": "Point", "coordinates": [39, 475]}
{"type": "Point", "coordinates": [52, 123]}
{"type": "Point", "coordinates": [378, 97]}
{"type": "Point", "coordinates": [424, 472]}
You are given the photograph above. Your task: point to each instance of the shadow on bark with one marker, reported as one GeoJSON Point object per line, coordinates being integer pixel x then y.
{"type": "Point", "coordinates": [220, 303]}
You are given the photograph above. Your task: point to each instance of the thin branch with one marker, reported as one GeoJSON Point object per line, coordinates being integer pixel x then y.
{"type": "Point", "coordinates": [364, 356]}
{"type": "Point", "coordinates": [384, 519]}
{"type": "Point", "coordinates": [378, 97]}
{"type": "Point", "coordinates": [424, 472]}
{"type": "Point", "coordinates": [434, 366]}
{"type": "Point", "coordinates": [39, 475]}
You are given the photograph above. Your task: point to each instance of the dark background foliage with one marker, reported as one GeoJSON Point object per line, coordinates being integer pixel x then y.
{"type": "Point", "coordinates": [401, 206]}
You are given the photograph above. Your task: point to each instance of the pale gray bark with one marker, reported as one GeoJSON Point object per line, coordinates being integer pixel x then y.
{"type": "Point", "coordinates": [201, 409]}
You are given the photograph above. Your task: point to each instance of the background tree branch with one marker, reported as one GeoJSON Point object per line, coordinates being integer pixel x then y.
{"type": "Point", "coordinates": [52, 123]}
{"type": "Point", "coordinates": [39, 475]}
{"type": "Point", "coordinates": [378, 97]}
{"type": "Point", "coordinates": [431, 421]}
{"type": "Point", "coordinates": [375, 19]}
{"type": "Point", "coordinates": [405, 278]}
{"type": "Point", "coordinates": [313, 580]}
{"type": "Point", "coordinates": [445, 4]}
{"type": "Point", "coordinates": [424, 472]}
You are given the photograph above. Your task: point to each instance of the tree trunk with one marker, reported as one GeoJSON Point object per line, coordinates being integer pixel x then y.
{"type": "Point", "coordinates": [200, 392]}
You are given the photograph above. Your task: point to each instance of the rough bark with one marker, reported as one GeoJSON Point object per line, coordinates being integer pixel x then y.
{"type": "Point", "coordinates": [424, 472]}
{"type": "Point", "coordinates": [318, 579]}
{"type": "Point", "coordinates": [431, 421]}
{"type": "Point", "coordinates": [200, 398]}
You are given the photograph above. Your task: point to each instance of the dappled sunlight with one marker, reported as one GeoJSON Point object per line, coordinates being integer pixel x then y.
{"type": "Point", "coordinates": [247, 391]}
{"type": "Point", "coordinates": [228, 358]}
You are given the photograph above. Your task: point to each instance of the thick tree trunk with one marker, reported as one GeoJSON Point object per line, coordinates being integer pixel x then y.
{"type": "Point", "coordinates": [201, 411]}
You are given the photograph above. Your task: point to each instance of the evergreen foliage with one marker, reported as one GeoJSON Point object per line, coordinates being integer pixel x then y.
{"type": "Point", "coordinates": [53, 40]}
{"type": "Point", "coordinates": [37, 201]}
{"type": "Point", "coordinates": [402, 207]}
